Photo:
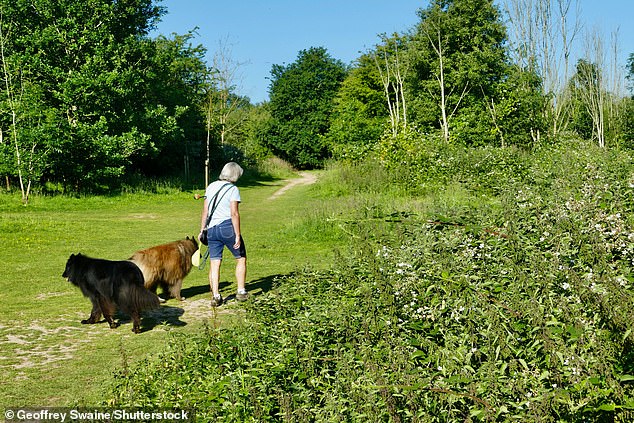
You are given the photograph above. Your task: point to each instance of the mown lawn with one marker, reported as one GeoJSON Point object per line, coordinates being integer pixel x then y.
{"type": "Point", "coordinates": [48, 358]}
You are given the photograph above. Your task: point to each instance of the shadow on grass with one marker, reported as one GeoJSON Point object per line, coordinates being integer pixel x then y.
{"type": "Point", "coordinates": [265, 284]}
{"type": "Point", "coordinates": [255, 287]}
{"type": "Point", "coordinates": [194, 291]}
{"type": "Point", "coordinates": [165, 315]}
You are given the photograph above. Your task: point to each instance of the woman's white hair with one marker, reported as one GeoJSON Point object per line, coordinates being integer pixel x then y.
{"type": "Point", "coordinates": [231, 172]}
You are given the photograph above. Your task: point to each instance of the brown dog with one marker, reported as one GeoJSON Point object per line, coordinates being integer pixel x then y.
{"type": "Point", "coordinates": [166, 265]}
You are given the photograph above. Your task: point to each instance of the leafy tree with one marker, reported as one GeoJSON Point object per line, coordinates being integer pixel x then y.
{"type": "Point", "coordinates": [359, 115]}
{"type": "Point", "coordinates": [26, 123]}
{"type": "Point", "coordinates": [458, 57]}
{"type": "Point", "coordinates": [119, 101]}
{"type": "Point", "coordinates": [252, 123]}
{"type": "Point", "coordinates": [66, 50]}
{"type": "Point", "coordinates": [301, 104]}
{"type": "Point", "coordinates": [170, 86]}
{"type": "Point", "coordinates": [517, 109]}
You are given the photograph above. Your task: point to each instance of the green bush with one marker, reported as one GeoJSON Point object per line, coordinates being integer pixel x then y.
{"type": "Point", "coordinates": [513, 307]}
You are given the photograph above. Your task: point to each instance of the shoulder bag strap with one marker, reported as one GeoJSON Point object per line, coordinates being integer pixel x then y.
{"type": "Point", "coordinates": [215, 202]}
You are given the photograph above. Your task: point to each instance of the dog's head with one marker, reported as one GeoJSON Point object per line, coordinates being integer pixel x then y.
{"type": "Point", "coordinates": [70, 266]}
{"type": "Point", "coordinates": [191, 244]}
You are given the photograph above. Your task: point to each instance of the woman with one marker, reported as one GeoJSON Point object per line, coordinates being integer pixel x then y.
{"type": "Point", "coordinates": [221, 219]}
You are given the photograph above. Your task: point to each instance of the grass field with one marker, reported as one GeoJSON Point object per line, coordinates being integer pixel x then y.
{"type": "Point", "coordinates": [48, 358]}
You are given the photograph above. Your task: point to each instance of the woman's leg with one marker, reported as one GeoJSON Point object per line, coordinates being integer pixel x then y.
{"type": "Point", "coordinates": [214, 277]}
{"type": "Point", "coordinates": [241, 273]}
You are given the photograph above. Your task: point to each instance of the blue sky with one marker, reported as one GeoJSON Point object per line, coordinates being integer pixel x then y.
{"type": "Point", "coordinates": [262, 33]}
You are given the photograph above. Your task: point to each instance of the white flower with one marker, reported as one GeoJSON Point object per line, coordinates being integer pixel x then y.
{"type": "Point", "coordinates": [566, 286]}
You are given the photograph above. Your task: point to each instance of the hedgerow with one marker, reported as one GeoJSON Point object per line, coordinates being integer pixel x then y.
{"type": "Point", "coordinates": [516, 310]}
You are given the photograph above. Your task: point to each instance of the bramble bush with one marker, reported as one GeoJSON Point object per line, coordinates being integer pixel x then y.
{"type": "Point", "coordinates": [517, 309]}
{"type": "Point", "coordinates": [426, 163]}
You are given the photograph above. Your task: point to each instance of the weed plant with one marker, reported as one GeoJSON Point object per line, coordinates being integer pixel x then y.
{"type": "Point", "coordinates": [505, 295]}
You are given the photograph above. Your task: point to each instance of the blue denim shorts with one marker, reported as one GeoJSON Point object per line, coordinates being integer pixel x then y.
{"type": "Point", "coordinates": [220, 236]}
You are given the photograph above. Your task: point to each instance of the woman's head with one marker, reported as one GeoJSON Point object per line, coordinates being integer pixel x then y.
{"type": "Point", "coordinates": [231, 172]}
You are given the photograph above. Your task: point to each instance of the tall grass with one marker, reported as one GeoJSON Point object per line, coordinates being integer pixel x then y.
{"type": "Point", "coordinates": [491, 299]}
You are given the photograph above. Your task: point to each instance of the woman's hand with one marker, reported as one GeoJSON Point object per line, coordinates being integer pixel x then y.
{"type": "Point", "coordinates": [236, 245]}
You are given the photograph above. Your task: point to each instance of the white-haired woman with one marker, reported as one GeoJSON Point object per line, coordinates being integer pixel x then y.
{"type": "Point", "coordinates": [221, 219]}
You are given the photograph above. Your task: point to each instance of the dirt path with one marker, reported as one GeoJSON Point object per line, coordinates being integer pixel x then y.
{"type": "Point", "coordinates": [306, 179]}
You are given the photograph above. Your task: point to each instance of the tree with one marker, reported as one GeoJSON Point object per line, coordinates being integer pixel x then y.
{"type": "Point", "coordinates": [598, 92]}
{"type": "Point", "coordinates": [223, 103]}
{"type": "Point", "coordinates": [25, 151]}
{"type": "Point", "coordinates": [165, 87]}
{"type": "Point", "coordinates": [517, 108]}
{"type": "Point", "coordinates": [543, 36]}
{"type": "Point", "coordinates": [392, 70]}
{"type": "Point", "coordinates": [115, 101]}
{"type": "Point", "coordinates": [630, 73]}
{"type": "Point", "coordinates": [301, 104]}
{"type": "Point", "coordinates": [457, 58]}
{"type": "Point", "coordinates": [359, 115]}
{"type": "Point", "coordinates": [250, 138]}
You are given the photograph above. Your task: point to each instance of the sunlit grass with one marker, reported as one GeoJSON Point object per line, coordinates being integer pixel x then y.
{"type": "Point", "coordinates": [48, 357]}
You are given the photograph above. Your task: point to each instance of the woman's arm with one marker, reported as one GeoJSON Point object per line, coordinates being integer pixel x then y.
{"type": "Point", "coordinates": [235, 221]}
{"type": "Point", "coordinates": [203, 218]}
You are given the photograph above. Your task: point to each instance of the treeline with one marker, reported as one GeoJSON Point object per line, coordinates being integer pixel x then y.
{"type": "Point", "coordinates": [469, 73]}
{"type": "Point", "coordinates": [89, 99]}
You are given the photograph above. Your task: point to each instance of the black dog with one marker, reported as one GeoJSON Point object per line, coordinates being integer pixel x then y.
{"type": "Point", "coordinates": [110, 285]}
